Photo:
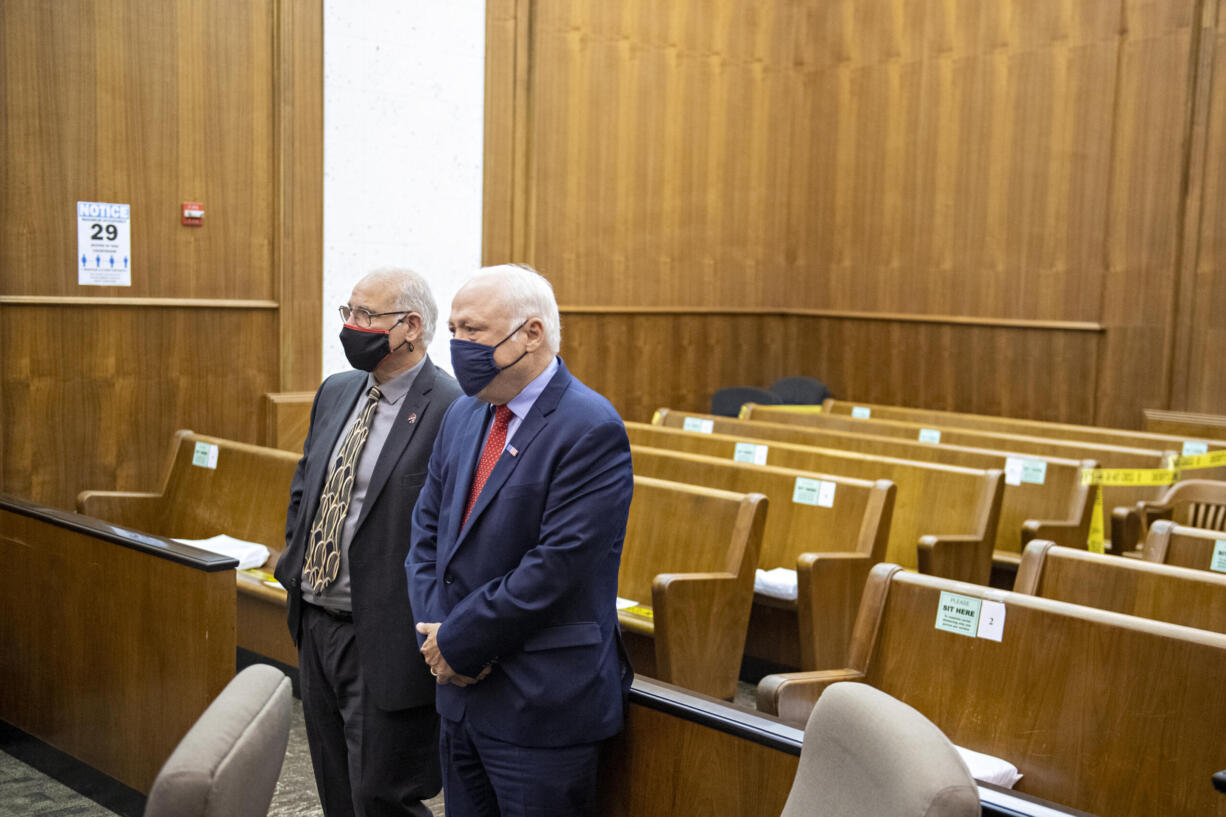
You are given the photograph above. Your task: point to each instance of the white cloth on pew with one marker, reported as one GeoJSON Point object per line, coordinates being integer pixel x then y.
{"type": "Point", "coordinates": [249, 554]}
{"type": "Point", "coordinates": [623, 604]}
{"type": "Point", "coordinates": [779, 583]}
{"type": "Point", "coordinates": [989, 769]}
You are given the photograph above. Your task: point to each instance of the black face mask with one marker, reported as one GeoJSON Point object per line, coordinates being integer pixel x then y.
{"type": "Point", "coordinates": [366, 348]}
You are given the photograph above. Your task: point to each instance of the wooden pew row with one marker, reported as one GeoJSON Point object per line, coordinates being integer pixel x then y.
{"type": "Point", "coordinates": [1050, 503]}
{"type": "Point", "coordinates": [1186, 425]}
{"type": "Point", "coordinates": [1198, 503]}
{"type": "Point", "coordinates": [1107, 456]}
{"type": "Point", "coordinates": [1127, 438]}
{"type": "Point", "coordinates": [113, 642]}
{"type": "Point", "coordinates": [1112, 714]}
{"type": "Point", "coordinates": [945, 517]}
{"type": "Point", "coordinates": [688, 562]}
{"type": "Point", "coordinates": [687, 755]}
{"type": "Point", "coordinates": [244, 495]}
{"type": "Point", "coordinates": [832, 549]}
{"type": "Point", "coordinates": [1183, 546]}
{"type": "Point", "coordinates": [1179, 595]}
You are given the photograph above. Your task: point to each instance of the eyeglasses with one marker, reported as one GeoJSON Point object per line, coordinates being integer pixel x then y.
{"type": "Point", "coordinates": [361, 317]}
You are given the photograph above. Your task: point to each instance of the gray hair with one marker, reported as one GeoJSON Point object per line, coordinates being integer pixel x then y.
{"type": "Point", "coordinates": [410, 293]}
{"type": "Point", "coordinates": [529, 295]}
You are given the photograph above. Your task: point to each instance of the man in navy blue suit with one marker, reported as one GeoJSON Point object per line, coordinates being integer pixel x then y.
{"type": "Point", "coordinates": [512, 569]}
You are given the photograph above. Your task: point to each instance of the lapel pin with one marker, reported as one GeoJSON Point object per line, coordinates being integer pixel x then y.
{"type": "Point", "coordinates": [413, 418]}
{"type": "Point", "coordinates": [512, 449]}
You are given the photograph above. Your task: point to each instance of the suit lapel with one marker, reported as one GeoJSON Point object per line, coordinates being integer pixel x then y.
{"type": "Point", "coordinates": [398, 438]}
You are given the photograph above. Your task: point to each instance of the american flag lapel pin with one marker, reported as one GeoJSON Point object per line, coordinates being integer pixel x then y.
{"type": "Point", "coordinates": [413, 417]}
{"type": "Point", "coordinates": [514, 451]}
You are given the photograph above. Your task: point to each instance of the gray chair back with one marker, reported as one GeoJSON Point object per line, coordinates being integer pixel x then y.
{"type": "Point", "coordinates": [867, 754]}
{"type": "Point", "coordinates": [228, 762]}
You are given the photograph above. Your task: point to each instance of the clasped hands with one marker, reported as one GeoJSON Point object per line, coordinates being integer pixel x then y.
{"type": "Point", "coordinates": [439, 668]}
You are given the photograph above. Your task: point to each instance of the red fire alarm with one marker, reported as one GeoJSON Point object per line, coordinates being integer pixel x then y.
{"type": "Point", "coordinates": [193, 214]}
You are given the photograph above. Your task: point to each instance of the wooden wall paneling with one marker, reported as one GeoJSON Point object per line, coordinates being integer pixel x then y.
{"type": "Point", "coordinates": [1199, 380]}
{"type": "Point", "coordinates": [1150, 154]}
{"type": "Point", "coordinates": [150, 104]}
{"type": "Point", "coordinates": [502, 29]}
{"type": "Point", "coordinates": [89, 396]}
{"type": "Point", "coordinates": [298, 191]}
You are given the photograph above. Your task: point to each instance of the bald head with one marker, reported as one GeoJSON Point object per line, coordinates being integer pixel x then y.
{"type": "Point", "coordinates": [512, 309]}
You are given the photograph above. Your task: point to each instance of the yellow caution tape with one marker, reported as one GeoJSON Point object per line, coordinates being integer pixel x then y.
{"type": "Point", "coordinates": [657, 417]}
{"type": "Point", "coordinates": [639, 610]}
{"type": "Point", "coordinates": [1214, 459]}
{"type": "Point", "coordinates": [1129, 476]}
{"type": "Point", "coordinates": [743, 414]}
{"type": "Point", "coordinates": [1094, 543]}
{"type": "Point", "coordinates": [260, 574]}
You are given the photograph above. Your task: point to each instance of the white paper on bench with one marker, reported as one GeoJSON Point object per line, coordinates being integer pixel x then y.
{"type": "Point", "coordinates": [622, 604]}
{"type": "Point", "coordinates": [779, 583]}
{"type": "Point", "coordinates": [988, 769]}
{"type": "Point", "coordinates": [249, 554]}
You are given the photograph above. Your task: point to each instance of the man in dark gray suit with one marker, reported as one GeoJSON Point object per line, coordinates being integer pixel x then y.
{"type": "Point", "coordinates": [367, 694]}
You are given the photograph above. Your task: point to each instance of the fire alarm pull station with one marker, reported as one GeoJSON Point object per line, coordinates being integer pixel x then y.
{"type": "Point", "coordinates": [193, 214]}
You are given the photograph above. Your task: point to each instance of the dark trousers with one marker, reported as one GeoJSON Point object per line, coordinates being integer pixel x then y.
{"type": "Point", "coordinates": [486, 777]}
{"type": "Point", "coordinates": [369, 762]}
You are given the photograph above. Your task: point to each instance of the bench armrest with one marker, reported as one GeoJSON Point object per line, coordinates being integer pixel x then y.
{"type": "Point", "coordinates": [791, 695]}
{"type": "Point", "coordinates": [1072, 534]}
{"type": "Point", "coordinates": [829, 586]}
{"type": "Point", "coordinates": [133, 509]}
{"type": "Point", "coordinates": [701, 621]}
{"type": "Point", "coordinates": [963, 557]}
{"type": "Point", "coordinates": [1126, 529]}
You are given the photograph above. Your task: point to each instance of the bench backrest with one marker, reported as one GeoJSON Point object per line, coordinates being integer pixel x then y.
{"type": "Point", "coordinates": [1113, 714]}
{"type": "Point", "coordinates": [1180, 595]}
{"type": "Point", "coordinates": [857, 520]}
{"type": "Point", "coordinates": [1012, 425]}
{"type": "Point", "coordinates": [1183, 546]}
{"type": "Point", "coordinates": [1107, 456]}
{"type": "Point", "coordinates": [679, 528]}
{"type": "Point", "coordinates": [244, 493]}
{"type": "Point", "coordinates": [1050, 489]}
{"type": "Point", "coordinates": [931, 498]}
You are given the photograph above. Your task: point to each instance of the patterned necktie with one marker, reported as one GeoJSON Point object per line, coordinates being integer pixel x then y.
{"type": "Point", "coordinates": [489, 456]}
{"type": "Point", "coordinates": [323, 560]}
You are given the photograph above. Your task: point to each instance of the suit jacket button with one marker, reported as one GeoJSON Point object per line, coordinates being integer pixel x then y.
{"type": "Point", "coordinates": [293, 583]}
{"type": "Point", "coordinates": [448, 578]}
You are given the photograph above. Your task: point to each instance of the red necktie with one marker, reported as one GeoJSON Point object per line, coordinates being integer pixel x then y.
{"type": "Point", "coordinates": [494, 443]}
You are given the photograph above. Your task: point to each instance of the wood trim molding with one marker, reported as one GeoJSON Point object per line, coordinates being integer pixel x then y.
{"type": "Point", "coordinates": [82, 300]}
{"type": "Point", "coordinates": [298, 90]}
{"type": "Point", "coordinates": [903, 317]}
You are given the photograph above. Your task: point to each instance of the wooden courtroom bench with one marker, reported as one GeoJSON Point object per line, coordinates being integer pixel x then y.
{"type": "Point", "coordinates": [1180, 595]}
{"type": "Point", "coordinates": [832, 549]}
{"type": "Point", "coordinates": [1197, 503]}
{"type": "Point", "coordinates": [1113, 714]}
{"type": "Point", "coordinates": [688, 564]}
{"type": "Point", "coordinates": [1127, 438]}
{"type": "Point", "coordinates": [114, 641]}
{"type": "Point", "coordinates": [684, 754]}
{"type": "Point", "coordinates": [1183, 546]}
{"type": "Point", "coordinates": [1185, 425]}
{"type": "Point", "coordinates": [1047, 501]}
{"type": "Point", "coordinates": [1107, 456]}
{"type": "Point", "coordinates": [244, 496]}
{"type": "Point", "coordinates": [951, 512]}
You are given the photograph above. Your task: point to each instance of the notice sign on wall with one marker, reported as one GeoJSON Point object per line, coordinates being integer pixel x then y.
{"type": "Point", "coordinates": [104, 244]}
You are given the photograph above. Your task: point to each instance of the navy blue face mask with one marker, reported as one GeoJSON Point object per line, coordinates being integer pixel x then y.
{"type": "Point", "coordinates": [474, 362]}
